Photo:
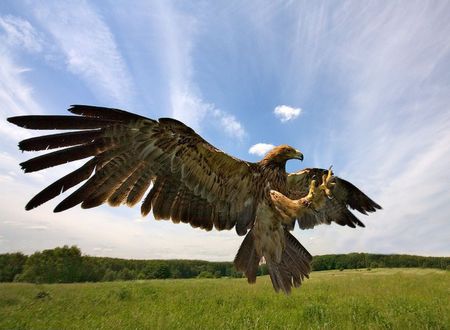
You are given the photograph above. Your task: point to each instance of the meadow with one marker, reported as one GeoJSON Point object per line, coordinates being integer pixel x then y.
{"type": "Point", "coordinates": [349, 299]}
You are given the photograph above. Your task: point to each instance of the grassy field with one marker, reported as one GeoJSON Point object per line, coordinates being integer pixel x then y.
{"type": "Point", "coordinates": [376, 299]}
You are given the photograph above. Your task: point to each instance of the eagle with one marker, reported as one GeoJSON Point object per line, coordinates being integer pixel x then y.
{"type": "Point", "coordinates": [180, 176]}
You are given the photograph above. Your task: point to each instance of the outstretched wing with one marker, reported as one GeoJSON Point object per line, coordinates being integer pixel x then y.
{"type": "Point", "coordinates": [345, 196]}
{"type": "Point", "coordinates": [193, 182]}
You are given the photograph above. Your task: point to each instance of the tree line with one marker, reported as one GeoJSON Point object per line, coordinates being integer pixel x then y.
{"type": "Point", "coordinates": [67, 265]}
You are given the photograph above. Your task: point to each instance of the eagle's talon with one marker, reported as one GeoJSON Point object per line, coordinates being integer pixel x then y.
{"type": "Point", "coordinates": [327, 184]}
{"type": "Point", "coordinates": [312, 192]}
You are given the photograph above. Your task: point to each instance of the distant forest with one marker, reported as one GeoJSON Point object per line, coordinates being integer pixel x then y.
{"type": "Point", "coordinates": [67, 264]}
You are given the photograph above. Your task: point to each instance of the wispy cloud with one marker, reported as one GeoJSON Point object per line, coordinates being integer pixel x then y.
{"type": "Point", "coordinates": [19, 32]}
{"type": "Point", "coordinates": [121, 236]}
{"type": "Point", "coordinates": [37, 227]}
{"type": "Point", "coordinates": [16, 94]}
{"type": "Point", "coordinates": [394, 133]}
{"type": "Point", "coordinates": [286, 113]}
{"type": "Point", "coordinates": [188, 108]}
{"type": "Point", "coordinates": [260, 149]}
{"type": "Point", "coordinates": [229, 123]}
{"type": "Point", "coordinates": [180, 31]}
{"type": "Point", "coordinates": [372, 76]}
{"type": "Point", "coordinates": [89, 48]}
{"type": "Point", "coordinates": [194, 112]}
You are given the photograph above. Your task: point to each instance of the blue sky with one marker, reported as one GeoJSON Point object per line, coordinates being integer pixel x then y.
{"type": "Point", "coordinates": [363, 86]}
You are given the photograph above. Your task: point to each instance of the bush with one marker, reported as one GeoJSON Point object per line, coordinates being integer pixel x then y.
{"type": "Point", "coordinates": [109, 276]}
{"type": "Point", "coordinates": [60, 265]}
{"type": "Point", "coordinates": [205, 274]}
{"type": "Point", "coordinates": [125, 275]}
{"type": "Point", "coordinates": [66, 264]}
{"type": "Point", "coordinates": [42, 294]}
{"type": "Point", "coordinates": [11, 265]}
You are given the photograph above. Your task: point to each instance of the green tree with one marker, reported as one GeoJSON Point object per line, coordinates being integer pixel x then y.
{"type": "Point", "coordinates": [11, 265]}
{"type": "Point", "coordinates": [205, 274]}
{"type": "Point", "coordinates": [163, 271]}
{"type": "Point", "coordinates": [126, 275]}
{"type": "Point", "coordinates": [62, 265]}
{"type": "Point", "coordinates": [109, 276]}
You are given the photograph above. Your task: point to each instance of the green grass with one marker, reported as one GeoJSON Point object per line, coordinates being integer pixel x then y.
{"type": "Point", "coordinates": [358, 299]}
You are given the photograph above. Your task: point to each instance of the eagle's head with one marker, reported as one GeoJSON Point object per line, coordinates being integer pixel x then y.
{"type": "Point", "coordinates": [279, 155]}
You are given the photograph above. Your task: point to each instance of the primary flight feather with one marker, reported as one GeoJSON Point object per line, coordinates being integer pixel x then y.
{"type": "Point", "coordinates": [193, 182]}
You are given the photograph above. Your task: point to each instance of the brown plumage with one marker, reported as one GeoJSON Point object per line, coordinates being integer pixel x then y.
{"type": "Point", "coordinates": [192, 182]}
{"type": "Point", "coordinates": [336, 209]}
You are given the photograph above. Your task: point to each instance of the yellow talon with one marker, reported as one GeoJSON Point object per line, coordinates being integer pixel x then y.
{"type": "Point", "coordinates": [312, 190]}
{"type": "Point", "coordinates": [330, 173]}
{"type": "Point", "coordinates": [326, 184]}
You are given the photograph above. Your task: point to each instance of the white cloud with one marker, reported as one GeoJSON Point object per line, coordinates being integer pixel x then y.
{"type": "Point", "coordinates": [16, 96]}
{"type": "Point", "coordinates": [19, 32]}
{"type": "Point", "coordinates": [188, 108]}
{"type": "Point", "coordinates": [394, 132]}
{"type": "Point", "coordinates": [390, 138]}
{"type": "Point", "coordinates": [37, 227]}
{"type": "Point", "coordinates": [229, 123]}
{"type": "Point", "coordinates": [260, 149]}
{"type": "Point", "coordinates": [286, 113]}
{"type": "Point", "coordinates": [121, 236]}
{"type": "Point", "coordinates": [193, 111]}
{"type": "Point", "coordinates": [88, 46]}
{"type": "Point", "coordinates": [180, 31]}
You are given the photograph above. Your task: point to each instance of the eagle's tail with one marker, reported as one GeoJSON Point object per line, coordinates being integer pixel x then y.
{"type": "Point", "coordinates": [247, 260]}
{"type": "Point", "coordinates": [294, 266]}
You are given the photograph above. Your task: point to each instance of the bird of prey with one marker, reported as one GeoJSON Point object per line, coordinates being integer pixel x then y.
{"type": "Point", "coordinates": [193, 182]}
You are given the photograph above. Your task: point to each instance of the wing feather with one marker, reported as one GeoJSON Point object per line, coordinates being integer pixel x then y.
{"type": "Point", "coordinates": [60, 122]}
{"type": "Point", "coordinates": [345, 196]}
{"type": "Point", "coordinates": [120, 171]}
{"type": "Point", "coordinates": [59, 140]}
{"type": "Point", "coordinates": [191, 181]}
{"type": "Point", "coordinates": [70, 180]}
{"type": "Point", "coordinates": [120, 195]}
{"type": "Point", "coordinates": [63, 156]}
{"type": "Point", "coordinates": [145, 178]}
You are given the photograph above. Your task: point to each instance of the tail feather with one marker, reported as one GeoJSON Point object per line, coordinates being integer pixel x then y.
{"type": "Point", "coordinates": [247, 260]}
{"type": "Point", "coordinates": [295, 265]}
{"type": "Point", "coordinates": [280, 276]}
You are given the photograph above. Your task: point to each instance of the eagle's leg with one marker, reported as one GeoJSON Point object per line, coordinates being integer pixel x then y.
{"type": "Point", "coordinates": [311, 197]}
{"type": "Point", "coordinates": [327, 183]}
{"type": "Point", "coordinates": [317, 195]}
{"type": "Point", "coordinates": [290, 209]}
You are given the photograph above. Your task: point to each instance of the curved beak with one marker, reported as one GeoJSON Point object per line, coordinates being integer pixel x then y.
{"type": "Point", "coordinates": [299, 155]}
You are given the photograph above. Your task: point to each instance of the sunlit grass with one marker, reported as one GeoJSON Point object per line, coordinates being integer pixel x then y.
{"type": "Point", "coordinates": [381, 298]}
